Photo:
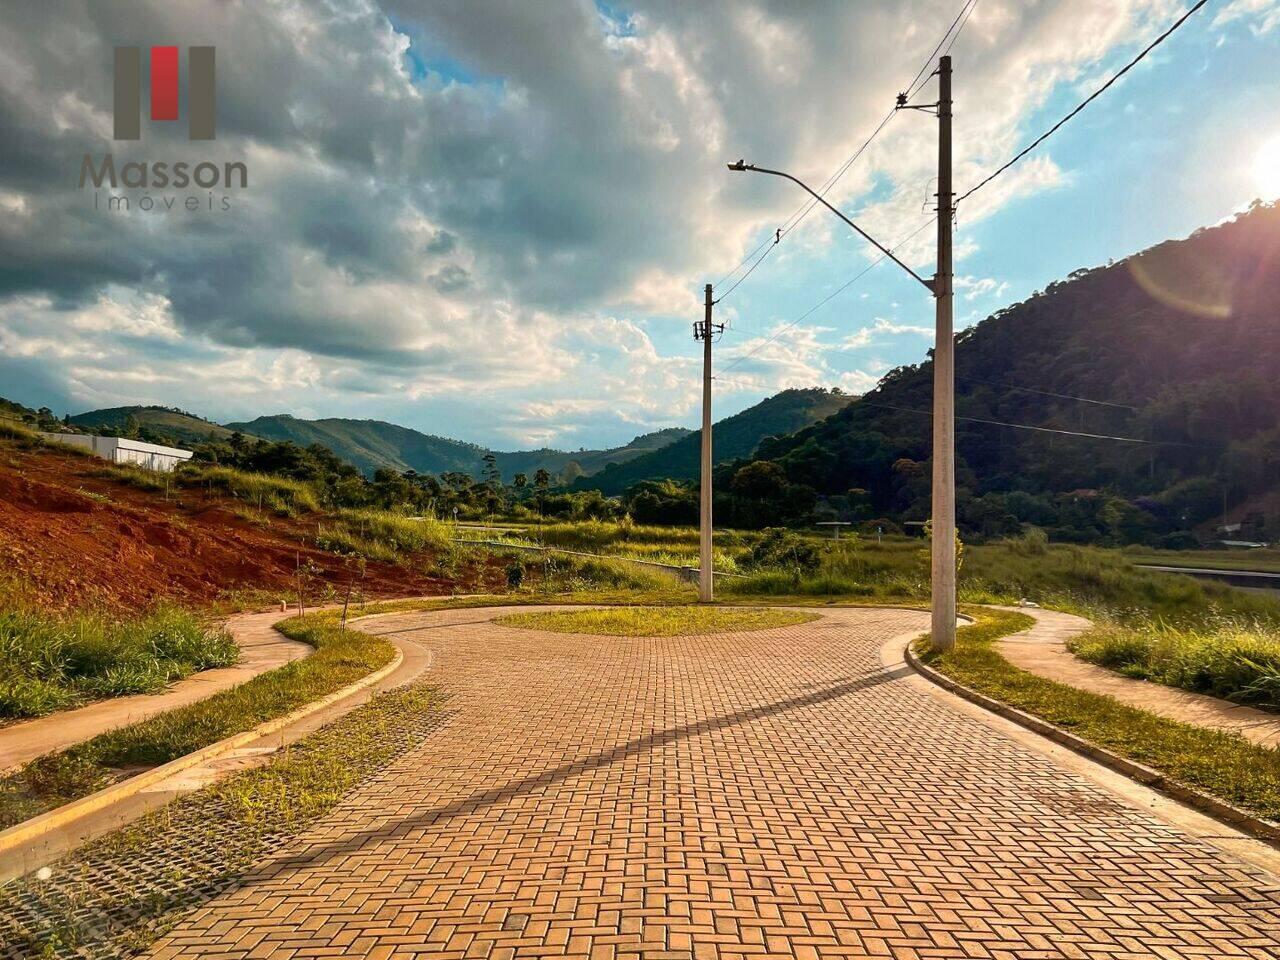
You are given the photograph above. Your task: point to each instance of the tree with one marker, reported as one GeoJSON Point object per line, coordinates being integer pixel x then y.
{"type": "Point", "coordinates": [489, 473]}
{"type": "Point", "coordinates": [520, 480]}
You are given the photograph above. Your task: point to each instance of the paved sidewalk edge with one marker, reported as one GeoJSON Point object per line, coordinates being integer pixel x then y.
{"type": "Point", "coordinates": [28, 831]}
{"type": "Point", "coordinates": [1228, 813]}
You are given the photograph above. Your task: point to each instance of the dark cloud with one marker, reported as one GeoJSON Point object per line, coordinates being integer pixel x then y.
{"type": "Point", "coordinates": [440, 189]}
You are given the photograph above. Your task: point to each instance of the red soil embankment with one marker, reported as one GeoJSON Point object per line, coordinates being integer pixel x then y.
{"type": "Point", "coordinates": [69, 538]}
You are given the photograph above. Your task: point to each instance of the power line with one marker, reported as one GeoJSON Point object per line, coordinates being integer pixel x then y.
{"type": "Point", "coordinates": [762, 251]}
{"type": "Point", "coordinates": [962, 17]}
{"type": "Point", "coordinates": [803, 211]}
{"type": "Point", "coordinates": [956, 36]}
{"type": "Point", "coordinates": [825, 300]}
{"type": "Point", "coordinates": [1084, 103]}
{"type": "Point", "coordinates": [1027, 426]}
{"type": "Point", "coordinates": [1047, 393]}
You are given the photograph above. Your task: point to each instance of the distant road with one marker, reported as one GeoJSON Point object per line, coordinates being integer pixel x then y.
{"type": "Point", "coordinates": [1210, 571]}
{"type": "Point", "coordinates": [1253, 580]}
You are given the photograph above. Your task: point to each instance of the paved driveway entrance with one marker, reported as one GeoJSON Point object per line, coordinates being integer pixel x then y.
{"type": "Point", "coordinates": [775, 793]}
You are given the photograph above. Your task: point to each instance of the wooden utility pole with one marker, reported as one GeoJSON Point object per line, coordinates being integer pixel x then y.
{"type": "Point", "coordinates": [705, 331]}
{"type": "Point", "coordinates": [943, 636]}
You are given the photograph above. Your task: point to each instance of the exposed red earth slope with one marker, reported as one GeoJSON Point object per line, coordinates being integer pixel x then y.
{"type": "Point", "coordinates": [73, 539]}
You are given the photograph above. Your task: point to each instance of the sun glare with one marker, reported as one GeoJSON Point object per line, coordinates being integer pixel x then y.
{"type": "Point", "coordinates": [1266, 169]}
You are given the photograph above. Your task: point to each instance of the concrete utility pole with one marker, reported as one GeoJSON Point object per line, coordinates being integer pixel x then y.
{"type": "Point", "coordinates": [943, 636]}
{"type": "Point", "coordinates": [943, 558]}
{"type": "Point", "coordinates": [705, 331]}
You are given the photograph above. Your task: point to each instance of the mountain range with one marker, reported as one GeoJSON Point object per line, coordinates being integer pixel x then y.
{"type": "Point", "coordinates": [1127, 402]}
{"type": "Point", "coordinates": [374, 444]}
{"type": "Point", "coordinates": [733, 438]}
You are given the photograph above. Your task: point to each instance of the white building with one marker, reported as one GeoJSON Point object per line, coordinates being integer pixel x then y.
{"type": "Point", "coordinates": [152, 456]}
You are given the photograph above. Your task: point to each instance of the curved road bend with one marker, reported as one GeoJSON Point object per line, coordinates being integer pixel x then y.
{"type": "Point", "coordinates": [777, 793]}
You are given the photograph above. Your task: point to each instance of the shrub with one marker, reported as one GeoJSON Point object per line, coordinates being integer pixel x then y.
{"type": "Point", "coordinates": [780, 548]}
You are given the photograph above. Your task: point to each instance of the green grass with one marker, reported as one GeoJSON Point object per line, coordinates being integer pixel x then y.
{"type": "Point", "coordinates": [1235, 660]}
{"type": "Point", "coordinates": [676, 621]}
{"type": "Point", "coordinates": [279, 495]}
{"type": "Point", "coordinates": [1225, 765]}
{"type": "Point", "coordinates": [117, 895]}
{"type": "Point", "coordinates": [142, 479]}
{"type": "Point", "coordinates": [50, 662]}
{"type": "Point", "coordinates": [382, 535]}
{"type": "Point", "coordinates": [28, 438]}
{"type": "Point", "coordinates": [341, 658]}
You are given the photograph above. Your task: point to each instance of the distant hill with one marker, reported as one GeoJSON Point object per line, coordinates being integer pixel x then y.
{"type": "Point", "coordinates": [371, 444]}
{"type": "Point", "coordinates": [1144, 394]}
{"type": "Point", "coordinates": [159, 422]}
{"type": "Point", "coordinates": [734, 438]}
{"type": "Point", "coordinates": [591, 461]}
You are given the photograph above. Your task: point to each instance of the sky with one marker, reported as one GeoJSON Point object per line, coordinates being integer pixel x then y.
{"type": "Point", "coordinates": [493, 220]}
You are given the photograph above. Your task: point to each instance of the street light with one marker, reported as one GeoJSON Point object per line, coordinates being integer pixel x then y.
{"type": "Point", "coordinates": [943, 573]}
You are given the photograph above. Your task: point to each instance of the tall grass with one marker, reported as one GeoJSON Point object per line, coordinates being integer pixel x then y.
{"type": "Point", "coordinates": [341, 657]}
{"type": "Point", "coordinates": [28, 438]}
{"type": "Point", "coordinates": [560, 573]}
{"type": "Point", "coordinates": [279, 495]}
{"type": "Point", "coordinates": [49, 662]}
{"type": "Point", "coordinates": [1233, 659]}
{"type": "Point", "coordinates": [383, 534]}
{"type": "Point", "coordinates": [599, 535]}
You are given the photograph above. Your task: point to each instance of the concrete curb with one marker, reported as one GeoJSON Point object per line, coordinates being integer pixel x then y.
{"type": "Point", "coordinates": [29, 831]}
{"type": "Point", "coordinates": [1229, 814]}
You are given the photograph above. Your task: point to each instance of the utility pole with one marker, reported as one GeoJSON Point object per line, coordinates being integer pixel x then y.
{"type": "Point", "coordinates": [705, 331]}
{"type": "Point", "coordinates": [943, 635]}
{"type": "Point", "coordinates": [941, 287]}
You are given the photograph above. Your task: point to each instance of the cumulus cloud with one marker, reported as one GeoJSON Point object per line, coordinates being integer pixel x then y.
{"type": "Point", "coordinates": [489, 208]}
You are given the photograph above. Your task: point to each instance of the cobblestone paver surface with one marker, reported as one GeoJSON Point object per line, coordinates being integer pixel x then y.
{"type": "Point", "coordinates": [776, 793]}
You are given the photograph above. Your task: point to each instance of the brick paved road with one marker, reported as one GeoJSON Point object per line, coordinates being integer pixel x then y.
{"type": "Point", "coordinates": [757, 794]}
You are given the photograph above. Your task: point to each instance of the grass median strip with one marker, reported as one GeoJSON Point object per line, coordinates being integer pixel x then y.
{"type": "Point", "coordinates": [658, 621]}
{"type": "Point", "coordinates": [341, 658]}
{"type": "Point", "coordinates": [1224, 765]}
{"type": "Point", "coordinates": [116, 896]}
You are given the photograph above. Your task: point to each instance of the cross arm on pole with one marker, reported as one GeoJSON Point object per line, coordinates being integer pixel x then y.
{"type": "Point", "coordinates": [740, 166]}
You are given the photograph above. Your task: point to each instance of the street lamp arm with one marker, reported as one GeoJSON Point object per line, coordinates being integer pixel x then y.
{"type": "Point", "coordinates": [740, 167]}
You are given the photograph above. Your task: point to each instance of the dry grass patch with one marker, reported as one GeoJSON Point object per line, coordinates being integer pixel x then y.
{"type": "Point", "coordinates": [658, 621]}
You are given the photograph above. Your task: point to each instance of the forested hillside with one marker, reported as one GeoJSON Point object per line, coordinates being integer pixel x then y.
{"type": "Point", "coordinates": [735, 437]}
{"type": "Point", "coordinates": [159, 424]}
{"type": "Point", "coordinates": [374, 444]}
{"type": "Point", "coordinates": [1176, 350]}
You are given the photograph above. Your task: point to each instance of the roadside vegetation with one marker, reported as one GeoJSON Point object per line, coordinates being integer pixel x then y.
{"type": "Point", "coordinates": [341, 658]}
{"type": "Point", "coordinates": [1233, 659]}
{"type": "Point", "coordinates": [52, 662]}
{"type": "Point", "coordinates": [382, 534]}
{"type": "Point", "coordinates": [119, 894]}
{"type": "Point", "coordinates": [1225, 765]}
{"type": "Point", "coordinates": [673, 621]}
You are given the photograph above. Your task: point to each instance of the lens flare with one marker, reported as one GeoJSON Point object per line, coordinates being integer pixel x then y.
{"type": "Point", "coordinates": [1266, 169]}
